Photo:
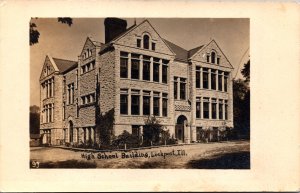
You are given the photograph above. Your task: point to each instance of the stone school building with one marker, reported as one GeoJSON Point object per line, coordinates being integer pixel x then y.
{"type": "Point", "coordinates": [137, 74]}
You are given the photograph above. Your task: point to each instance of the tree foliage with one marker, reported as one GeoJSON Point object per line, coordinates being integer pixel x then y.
{"type": "Point", "coordinates": [152, 131]}
{"type": "Point", "coordinates": [126, 138]}
{"type": "Point", "coordinates": [241, 102]}
{"type": "Point", "coordinates": [105, 124]}
{"type": "Point", "coordinates": [66, 20]}
{"type": "Point", "coordinates": [34, 34]}
{"type": "Point", "coordinates": [34, 120]}
{"type": "Point", "coordinates": [246, 71]}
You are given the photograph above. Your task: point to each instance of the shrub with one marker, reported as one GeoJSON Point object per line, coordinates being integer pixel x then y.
{"type": "Point", "coordinates": [130, 140]}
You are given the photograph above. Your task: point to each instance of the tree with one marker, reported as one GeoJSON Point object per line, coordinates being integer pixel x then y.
{"type": "Point", "coordinates": [104, 125]}
{"type": "Point", "coordinates": [246, 71]}
{"type": "Point", "coordinates": [152, 130]}
{"type": "Point", "coordinates": [34, 34]}
{"type": "Point", "coordinates": [34, 120]}
{"type": "Point", "coordinates": [241, 102]}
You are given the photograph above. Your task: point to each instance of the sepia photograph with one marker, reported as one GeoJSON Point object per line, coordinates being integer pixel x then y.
{"type": "Point", "coordinates": [149, 96]}
{"type": "Point", "coordinates": [140, 93]}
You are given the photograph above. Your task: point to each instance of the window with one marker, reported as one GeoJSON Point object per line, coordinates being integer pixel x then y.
{"type": "Point", "coordinates": [146, 103]}
{"type": "Point", "coordinates": [175, 88]}
{"type": "Point", "coordinates": [76, 81]}
{"type": "Point", "coordinates": [88, 99]}
{"type": "Point", "coordinates": [70, 94]}
{"type": "Point", "coordinates": [225, 81]}
{"type": "Point", "coordinates": [135, 66]}
{"type": "Point", "coordinates": [124, 65]}
{"type": "Point", "coordinates": [226, 109]}
{"type": "Point", "coordinates": [64, 84]}
{"type": "Point", "coordinates": [220, 109]}
{"type": "Point", "coordinates": [213, 80]}
{"type": "Point", "coordinates": [153, 46]}
{"type": "Point", "coordinates": [50, 88]}
{"type": "Point", "coordinates": [205, 78]}
{"type": "Point", "coordinates": [50, 113]}
{"type": "Point", "coordinates": [146, 41]}
{"type": "Point", "coordinates": [213, 57]}
{"type": "Point", "coordinates": [206, 108]}
{"type": "Point", "coordinates": [135, 102]}
{"type": "Point", "coordinates": [138, 43]}
{"type": "Point", "coordinates": [82, 69]}
{"type": "Point", "coordinates": [218, 60]}
{"type": "Point", "coordinates": [182, 88]}
{"type": "Point", "coordinates": [146, 68]}
{"type": "Point", "coordinates": [214, 108]}
{"type": "Point", "coordinates": [165, 104]}
{"type": "Point", "coordinates": [156, 103]}
{"type": "Point", "coordinates": [77, 109]}
{"type": "Point", "coordinates": [156, 69]}
{"type": "Point", "coordinates": [64, 111]}
{"type": "Point", "coordinates": [136, 130]}
{"type": "Point", "coordinates": [198, 107]}
{"type": "Point", "coordinates": [124, 102]}
{"type": "Point", "coordinates": [207, 58]}
{"type": "Point", "coordinates": [198, 76]}
{"type": "Point", "coordinates": [165, 71]}
{"type": "Point", "coordinates": [220, 75]}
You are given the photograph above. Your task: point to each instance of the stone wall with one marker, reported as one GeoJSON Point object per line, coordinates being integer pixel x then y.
{"type": "Point", "coordinates": [107, 81]}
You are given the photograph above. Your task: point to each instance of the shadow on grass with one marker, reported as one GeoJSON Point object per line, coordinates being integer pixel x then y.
{"type": "Point", "coordinates": [237, 160]}
{"type": "Point", "coordinates": [153, 164]}
{"type": "Point", "coordinates": [68, 164]}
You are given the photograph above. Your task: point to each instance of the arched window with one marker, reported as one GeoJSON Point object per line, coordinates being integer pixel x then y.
{"type": "Point", "coordinates": [213, 57]}
{"type": "Point", "coordinates": [146, 41]}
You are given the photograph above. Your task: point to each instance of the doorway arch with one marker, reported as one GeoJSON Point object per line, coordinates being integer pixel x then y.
{"type": "Point", "coordinates": [71, 131]}
{"type": "Point", "coordinates": [180, 127]}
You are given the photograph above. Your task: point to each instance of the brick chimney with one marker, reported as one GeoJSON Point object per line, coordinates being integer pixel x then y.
{"type": "Point", "coordinates": [113, 28]}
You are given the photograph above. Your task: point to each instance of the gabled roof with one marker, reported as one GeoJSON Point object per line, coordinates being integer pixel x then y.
{"type": "Point", "coordinates": [65, 65]}
{"type": "Point", "coordinates": [181, 54]}
{"type": "Point", "coordinates": [96, 43]}
{"type": "Point", "coordinates": [194, 51]}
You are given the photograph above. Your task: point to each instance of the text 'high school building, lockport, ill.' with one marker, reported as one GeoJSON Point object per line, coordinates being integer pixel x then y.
{"type": "Point", "coordinates": [135, 73]}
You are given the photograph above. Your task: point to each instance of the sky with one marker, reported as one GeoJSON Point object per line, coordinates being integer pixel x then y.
{"type": "Point", "coordinates": [62, 41]}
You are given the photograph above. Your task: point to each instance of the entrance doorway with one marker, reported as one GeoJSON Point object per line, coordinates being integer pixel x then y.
{"type": "Point", "coordinates": [179, 128]}
{"type": "Point", "coordinates": [71, 131]}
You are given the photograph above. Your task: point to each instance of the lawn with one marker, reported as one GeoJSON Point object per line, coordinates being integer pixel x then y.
{"type": "Point", "coordinates": [222, 155]}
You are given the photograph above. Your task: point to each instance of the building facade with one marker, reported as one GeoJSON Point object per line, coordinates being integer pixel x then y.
{"type": "Point", "coordinates": [136, 74]}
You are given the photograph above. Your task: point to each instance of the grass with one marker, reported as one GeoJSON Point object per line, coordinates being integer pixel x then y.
{"type": "Point", "coordinates": [237, 160]}
{"type": "Point", "coordinates": [227, 155]}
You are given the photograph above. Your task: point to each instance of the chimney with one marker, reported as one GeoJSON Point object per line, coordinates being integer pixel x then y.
{"type": "Point", "coordinates": [113, 28]}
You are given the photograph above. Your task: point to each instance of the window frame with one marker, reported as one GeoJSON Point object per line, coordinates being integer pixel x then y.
{"type": "Point", "coordinates": [182, 89]}
{"type": "Point", "coordinates": [135, 105]}
{"type": "Point", "coordinates": [124, 68]}
{"type": "Point", "coordinates": [146, 41]}
{"type": "Point", "coordinates": [135, 62]}
{"type": "Point", "coordinates": [124, 105]}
